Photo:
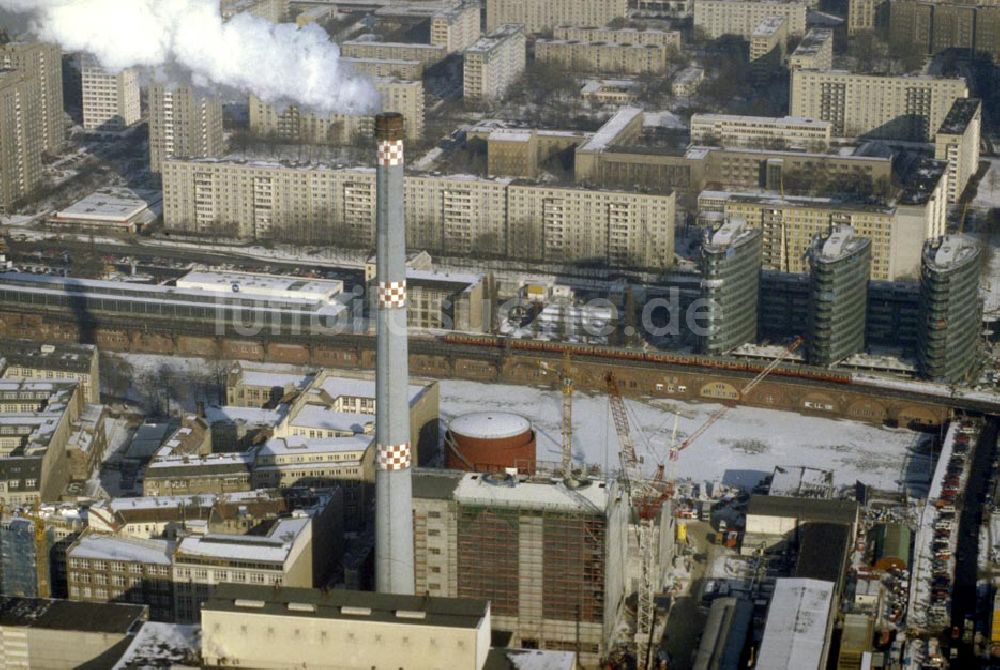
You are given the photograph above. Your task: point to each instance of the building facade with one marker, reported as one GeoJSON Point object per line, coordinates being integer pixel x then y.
{"type": "Point", "coordinates": [182, 124]}
{"type": "Point", "coordinates": [493, 63]}
{"type": "Point", "coordinates": [716, 18]}
{"type": "Point", "coordinates": [448, 214]}
{"type": "Point", "coordinates": [934, 27]}
{"type": "Point", "coordinates": [602, 56]}
{"type": "Point", "coordinates": [538, 15]}
{"type": "Point", "coordinates": [948, 338]}
{"type": "Point", "coordinates": [55, 362]}
{"type": "Point", "coordinates": [893, 107]}
{"type": "Point", "coordinates": [561, 588]}
{"type": "Point", "coordinates": [957, 142]}
{"type": "Point", "coordinates": [428, 54]}
{"type": "Point", "coordinates": [456, 28]}
{"type": "Point", "coordinates": [730, 286]}
{"type": "Point", "coordinates": [814, 52]}
{"type": "Point", "coordinates": [730, 130]}
{"type": "Point", "coordinates": [21, 138]}
{"type": "Point", "coordinates": [840, 267]}
{"type": "Point", "coordinates": [110, 99]}
{"type": "Point", "coordinates": [43, 62]}
{"type": "Point", "coordinates": [293, 125]}
{"type": "Point", "coordinates": [660, 38]}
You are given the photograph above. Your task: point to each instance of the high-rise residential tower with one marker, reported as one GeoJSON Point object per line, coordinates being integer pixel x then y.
{"type": "Point", "coordinates": [839, 269]}
{"type": "Point", "coordinates": [182, 124]}
{"type": "Point", "coordinates": [730, 261]}
{"type": "Point", "coordinates": [41, 61]}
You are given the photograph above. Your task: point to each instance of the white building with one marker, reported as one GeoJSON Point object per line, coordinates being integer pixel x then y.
{"type": "Point", "coordinates": [799, 622]}
{"type": "Point", "coordinates": [493, 63]}
{"type": "Point", "coordinates": [110, 99]}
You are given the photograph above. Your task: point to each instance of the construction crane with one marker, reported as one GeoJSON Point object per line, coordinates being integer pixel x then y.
{"type": "Point", "coordinates": [722, 411]}
{"type": "Point", "coordinates": [640, 494]}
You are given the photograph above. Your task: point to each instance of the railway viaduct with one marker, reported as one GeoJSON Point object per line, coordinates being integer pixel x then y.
{"type": "Point", "coordinates": [431, 358]}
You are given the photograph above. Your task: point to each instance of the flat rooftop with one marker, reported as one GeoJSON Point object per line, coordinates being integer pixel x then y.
{"type": "Point", "coordinates": [795, 632]}
{"type": "Point", "coordinates": [952, 251]}
{"type": "Point", "coordinates": [498, 491]}
{"type": "Point", "coordinates": [113, 204]}
{"type": "Point", "coordinates": [813, 42]}
{"type": "Point", "coordinates": [769, 26]}
{"type": "Point", "coordinates": [805, 509]}
{"type": "Point", "coordinates": [349, 605]}
{"type": "Point", "coordinates": [840, 243]}
{"type": "Point", "coordinates": [922, 181]}
{"type": "Point", "coordinates": [69, 615]}
{"type": "Point", "coordinates": [962, 111]}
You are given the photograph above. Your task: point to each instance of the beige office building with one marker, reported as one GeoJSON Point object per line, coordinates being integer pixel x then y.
{"type": "Point", "coordinates": [957, 142]}
{"type": "Point", "coordinates": [602, 56]}
{"type": "Point", "coordinates": [814, 52]}
{"type": "Point", "coordinates": [788, 225]}
{"type": "Point", "coordinates": [741, 17]}
{"type": "Point", "coordinates": [658, 38]}
{"type": "Point", "coordinates": [41, 61]}
{"type": "Point", "coordinates": [493, 63]}
{"type": "Point", "coordinates": [293, 125]}
{"type": "Point", "coordinates": [182, 124]}
{"type": "Point", "coordinates": [897, 107]}
{"type": "Point", "coordinates": [110, 99]}
{"type": "Point", "coordinates": [447, 214]}
{"type": "Point", "coordinates": [456, 28]}
{"type": "Point", "coordinates": [539, 15]}
{"type": "Point", "coordinates": [731, 130]}
{"type": "Point", "coordinates": [428, 54]}
{"type": "Point", "coordinates": [21, 138]}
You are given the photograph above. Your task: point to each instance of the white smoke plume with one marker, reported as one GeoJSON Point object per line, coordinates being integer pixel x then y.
{"type": "Point", "coordinates": [275, 62]}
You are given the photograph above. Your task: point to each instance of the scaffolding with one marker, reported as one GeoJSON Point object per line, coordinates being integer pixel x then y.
{"type": "Point", "coordinates": [543, 567]}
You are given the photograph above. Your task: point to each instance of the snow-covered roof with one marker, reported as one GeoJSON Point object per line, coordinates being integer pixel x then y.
{"type": "Point", "coordinates": [106, 547]}
{"type": "Point", "coordinates": [275, 547]}
{"type": "Point", "coordinates": [261, 284]}
{"type": "Point", "coordinates": [795, 632]}
{"type": "Point", "coordinates": [322, 417]}
{"type": "Point", "coordinates": [609, 132]}
{"type": "Point", "coordinates": [476, 489]}
{"type": "Point", "coordinates": [160, 644]}
{"type": "Point", "coordinates": [490, 425]}
{"type": "Point", "coordinates": [113, 204]}
{"type": "Point", "coordinates": [297, 444]}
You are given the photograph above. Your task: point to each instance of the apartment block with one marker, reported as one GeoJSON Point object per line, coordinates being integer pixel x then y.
{"type": "Point", "coordinates": [741, 17]}
{"type": "Point", "coordinates": [21, 138]}
{"type": "Point", "coordinates": [293, 125]}
{"type": "Point", "coordinates": [814, 52]}
{"type": "Point", "coordinates": [195, 474]}
{"type": "Point", "coordinates": [493, 63]}
{"type": "Point", "coordinates": [456, 28]}
{"type": "Point", "coordinates": [54, 362]}
{"type": "Point", "coordinates": [43, 62]}
{"type": "Point", "coordinates": [950, 310]}
{"type": "Point", "coordinates": [602, 56]}
{"type": "Point", "coordinates": [182, 124]}
{"type": "Point", "coordinates": [789, 224]}
{"type": "Point", "coordinates": [650, 37]}
{"type": "Point", "coordinates": [730, 260]}
{"type": "Point", "coordinates": [381, 68]}
{"type": "Point", "coordinates": [447, 214]}
{"type": "Point", "coordinates": [428, 54]}
{"type": "Point", "coordinates": [729, 130]}
{"type": "Point", "coordinates": [539, 15]}
{"type": "Point", "coordinates": [110, 99]}
{"type": "Point", "coordinates": [767, 43]}
{"type": "Point", "coordinates": [839, 269]}
{"type": "Point", "coordinates": [894, 107]}
{"type": "Point", "coordinates": [957, 142]}
{"type": "Point", "coordinates": [860, 16]}
{"type": "Point", "coordinates": [936, 26]}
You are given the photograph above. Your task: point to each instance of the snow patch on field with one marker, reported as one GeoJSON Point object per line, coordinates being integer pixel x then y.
{"type": "Point", "coordinates": [740, 449]}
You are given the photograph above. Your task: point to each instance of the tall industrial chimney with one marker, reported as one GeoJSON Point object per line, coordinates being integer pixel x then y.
{"type": "Point", "coordinates": [393, 484]}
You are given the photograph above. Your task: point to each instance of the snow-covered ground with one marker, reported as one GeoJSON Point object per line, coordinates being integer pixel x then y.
{"type": "Point", "coordinates": [739, 449]}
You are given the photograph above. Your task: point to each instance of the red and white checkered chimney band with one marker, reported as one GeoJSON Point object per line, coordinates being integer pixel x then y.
{"type": "Point", "coordinates": [392, 295]}
{"type": "Point", "coordinates": [393, 457]}
{"type": "Point", "coordinates": [390, 153]}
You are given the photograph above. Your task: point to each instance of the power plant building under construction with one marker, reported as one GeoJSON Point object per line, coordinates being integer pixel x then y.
{"type": "Point", "coordinates": [550, 559]}
{"type": "Point", "coordinates": [491, 442]}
